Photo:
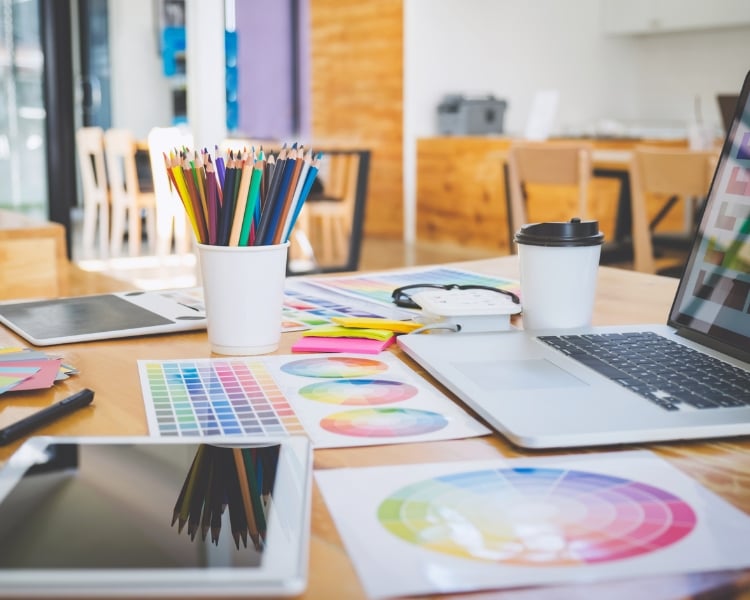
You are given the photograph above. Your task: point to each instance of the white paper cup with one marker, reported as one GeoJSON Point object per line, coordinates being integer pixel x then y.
{"type": "Point", "coordinates": [559, 263]}
{"type": "Point", "coordinates": [243, 289]}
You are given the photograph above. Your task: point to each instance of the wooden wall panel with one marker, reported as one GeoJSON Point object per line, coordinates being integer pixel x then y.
{"type": "Point", "coordinates": [357, 95]}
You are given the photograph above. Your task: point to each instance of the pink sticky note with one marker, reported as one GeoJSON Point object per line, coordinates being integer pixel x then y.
{"type": "Point", "coordinates": [43, 378]}
{"type": "Point", "coordinates": [334, 344]}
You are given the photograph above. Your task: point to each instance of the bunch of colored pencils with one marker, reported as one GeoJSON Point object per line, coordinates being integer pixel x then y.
{"type": "Point", "coordinates": [239, 480]}
{"type": "Point", "coordinates": [244, 198]}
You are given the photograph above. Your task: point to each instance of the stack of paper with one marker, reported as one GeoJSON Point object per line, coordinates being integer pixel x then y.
{"type": "Point", "coordinates": [353, 334]}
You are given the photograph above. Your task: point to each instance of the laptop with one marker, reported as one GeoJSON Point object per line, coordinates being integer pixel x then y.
{"type": "Point", "coordinates": [548, 389]}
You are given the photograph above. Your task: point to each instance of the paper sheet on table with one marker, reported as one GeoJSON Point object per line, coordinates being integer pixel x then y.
{"type": "Point", "coordinates": [475, 525]}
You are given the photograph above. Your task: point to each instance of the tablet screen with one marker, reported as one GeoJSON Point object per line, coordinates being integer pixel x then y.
{"type": "Point", "coordinates": [65, 317]}
{"type": "Point", "coordinates": [155, 507]}
{"type": "Point", "coordinates": [105, 316]}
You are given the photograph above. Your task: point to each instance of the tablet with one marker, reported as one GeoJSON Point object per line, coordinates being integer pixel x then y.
{"type": "Point", "coordinates": [141, 516]}
{"type": "Point", "coordinates": [105, 316]}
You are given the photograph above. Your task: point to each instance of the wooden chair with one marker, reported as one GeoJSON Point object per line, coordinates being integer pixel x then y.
{"type": "Point", "coordinates": [546, 164]}
{"type": "Point", "coordinates": [90, 151]}
{"type": "Point", "coordinates": [673, 173]}
{"type": "Point", "coordinates": [171, 220]}
{"type": "Point", "coordinates": [128, 200]}
{"type": "Point", "coordinates": [333, 220]}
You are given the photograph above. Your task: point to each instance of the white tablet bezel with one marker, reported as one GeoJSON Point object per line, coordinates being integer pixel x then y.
{"type": "Point", "coordinates": [183, 316]}
{"type": "Point", "coordinates": [285, 564]}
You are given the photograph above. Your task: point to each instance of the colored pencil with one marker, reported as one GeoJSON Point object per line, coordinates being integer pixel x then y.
{"type": "Point", "coordinates": [255, 185]}
{"type": "Point", "coordinates": [246, 171]}
{"type": "Point", "coordinates": [312, 173]}
{"type": "Point", "coordinates": [244, 198]}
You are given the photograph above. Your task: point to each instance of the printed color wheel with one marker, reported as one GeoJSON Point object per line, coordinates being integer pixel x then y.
{"type": "Point", "coordinates": [367, 392]}
{"type": "Point", "coordinates": [335, 367]}
{"type": "Point", "coordinates": [537, 517]}
{"type": "Point", "coordinates": [383, 422]}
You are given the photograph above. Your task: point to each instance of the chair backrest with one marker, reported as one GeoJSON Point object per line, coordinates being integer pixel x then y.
{"type": "Point", "coordinates": [345, 175]}
{"type": "Point", "coordinates": [90, 149]}
{"type": "Point", "coordinates": [668, 171]}
{"type": "Point", "coordinates": [546, 163]}
{"type": "Point", "coordinates": [120, 148]}
{"type": "Point", "coordinates": [339, 172]}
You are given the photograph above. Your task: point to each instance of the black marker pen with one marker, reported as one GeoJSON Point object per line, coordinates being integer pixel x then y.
{"type": "Point", "coordinates": [46, 415]}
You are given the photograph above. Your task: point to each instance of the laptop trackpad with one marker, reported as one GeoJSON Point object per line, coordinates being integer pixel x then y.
{"type": "Point", "coordinates": [517, 374]}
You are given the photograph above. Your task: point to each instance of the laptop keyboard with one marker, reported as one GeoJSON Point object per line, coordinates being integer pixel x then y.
{"type": "Point", "coordinates": [663, 371]}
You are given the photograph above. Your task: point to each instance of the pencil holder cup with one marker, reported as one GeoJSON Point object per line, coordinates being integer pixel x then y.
{"type": "Point", "coordinates": [243, 289]}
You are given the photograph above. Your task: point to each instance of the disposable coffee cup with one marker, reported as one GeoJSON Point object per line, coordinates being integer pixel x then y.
{"type": "Point", "coordinates": [243, 290]}
{"type": "Point", "coordinates": [559, 262]}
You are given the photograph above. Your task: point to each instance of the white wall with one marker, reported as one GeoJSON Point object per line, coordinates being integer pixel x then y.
{"type": "Point", "coordinates": [674, 68]}
{"type": "Point", "coordinates": [141, 97]}
{"type": "Point", "coordinates": [512, 48]}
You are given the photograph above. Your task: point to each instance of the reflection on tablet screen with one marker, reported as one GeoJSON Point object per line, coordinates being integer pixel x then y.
{"type": "Point", "coordinates": [144, 506]}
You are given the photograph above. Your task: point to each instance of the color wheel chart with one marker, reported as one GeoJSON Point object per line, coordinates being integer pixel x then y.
{"type": "Point", "coordinates": [532, 521]}
{"type": "Point", "coordinates": [337, 400]}
{"type": "Point", "coordinates": [537, 516]}
{"type": "Point", "coordinates": [378, 287]}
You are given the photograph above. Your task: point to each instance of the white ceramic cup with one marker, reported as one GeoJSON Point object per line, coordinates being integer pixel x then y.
{"type": "Point", "coordinates": [559, 263]}
{"type": "Point", "coordinates": [243, 289]}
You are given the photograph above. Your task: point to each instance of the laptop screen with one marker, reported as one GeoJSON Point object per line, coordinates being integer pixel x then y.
{"type": "Point", "coordinates": [713, 299]}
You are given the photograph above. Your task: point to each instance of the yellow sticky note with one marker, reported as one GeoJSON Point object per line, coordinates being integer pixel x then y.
{"type": "Point", "coordinates": [376, 323]}
{"type": "Point", "coordinates": [352, 332]}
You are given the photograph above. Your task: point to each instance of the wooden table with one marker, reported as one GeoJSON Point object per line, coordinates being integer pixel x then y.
{"type": "Point", "coordinates": [110, 369]}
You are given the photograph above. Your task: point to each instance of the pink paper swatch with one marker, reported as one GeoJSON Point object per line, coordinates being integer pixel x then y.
{"type": "Point", "coordinates": [330, 344]}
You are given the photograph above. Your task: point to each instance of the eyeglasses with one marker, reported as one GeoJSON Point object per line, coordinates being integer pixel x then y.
{"type": "Point", "coordinates": [401, 298]}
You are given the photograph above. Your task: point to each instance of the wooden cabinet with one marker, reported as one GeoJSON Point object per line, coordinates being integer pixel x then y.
{"type": "Point", "coordinates": [33, 255]}
{"type": "Point", "coordinates": [461, 199]}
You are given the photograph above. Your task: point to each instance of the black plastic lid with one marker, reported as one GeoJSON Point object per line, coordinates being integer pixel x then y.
{"type": "Point", "coordinates": [569, 233]}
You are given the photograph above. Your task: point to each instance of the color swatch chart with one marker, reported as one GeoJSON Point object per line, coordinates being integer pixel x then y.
{"type": "Point", "coordinates": [529, 521]}
{"type": "Point", "coordinates": [302, 310]}
{"type": "Point", "coordinates": [378, 287]}
{"type": "Point", "coordinates": [337, 400]}
{"type": "Point", "coordinates": [214, 397]}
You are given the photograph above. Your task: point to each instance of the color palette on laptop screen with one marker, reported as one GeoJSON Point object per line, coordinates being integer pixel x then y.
{"type": "Point", "coordinates": [537, 517]}
{"type": "Point", "coordinates": [217, 397]}
{"type": "Point", "coordinates": [384, 422]}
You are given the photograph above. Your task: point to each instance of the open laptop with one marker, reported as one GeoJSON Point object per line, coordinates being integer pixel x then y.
{"type": "Point", "coordinates": [541, 390]}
